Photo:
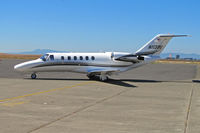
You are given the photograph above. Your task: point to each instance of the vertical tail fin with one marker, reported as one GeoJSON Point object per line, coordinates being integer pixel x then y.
{"type": "Point", "coordinates": [157, 44]}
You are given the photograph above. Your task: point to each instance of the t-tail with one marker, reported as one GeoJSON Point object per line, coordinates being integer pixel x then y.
{"type": "Point", "coordinates": [156, 45]}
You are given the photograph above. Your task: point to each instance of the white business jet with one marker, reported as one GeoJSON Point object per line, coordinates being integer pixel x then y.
{"type": "Point", "coordinates": [99, 65]}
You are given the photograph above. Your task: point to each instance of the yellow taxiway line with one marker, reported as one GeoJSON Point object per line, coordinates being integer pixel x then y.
{"type": "Point", "coordinates": [42, 92]}
{"type": "Point", "coordinates": [11, 104]}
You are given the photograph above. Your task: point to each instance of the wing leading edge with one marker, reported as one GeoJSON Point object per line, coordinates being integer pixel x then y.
{"type": "Point", "coordinates": [99, 71]}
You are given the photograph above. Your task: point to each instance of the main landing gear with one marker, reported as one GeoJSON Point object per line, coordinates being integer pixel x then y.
{"type": "Point", "coordinates": [33, 76]}
{"type": "Point", "coordinates": [92, 77]}
{"type": "Point", "coordinates": [103, 78]}
{"type": "Point", "coordinates": [98, 77]}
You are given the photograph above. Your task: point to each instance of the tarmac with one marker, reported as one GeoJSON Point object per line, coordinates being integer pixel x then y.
{"type": "Point", "coordinates": [155, 98]}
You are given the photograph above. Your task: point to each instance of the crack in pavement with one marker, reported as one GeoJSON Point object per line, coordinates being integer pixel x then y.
{"type": "Point", "coordinates": [79, 110]}
{"type": "Point", "coordinates": [188, 109]}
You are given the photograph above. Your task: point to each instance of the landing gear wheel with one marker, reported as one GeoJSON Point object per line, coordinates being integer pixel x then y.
{"type": "Point", "coordinates": [103, 78]}
{"type": "Point", "coordinates": [91, 77]}
{"type": "Point", "coordinates": [33, 76]}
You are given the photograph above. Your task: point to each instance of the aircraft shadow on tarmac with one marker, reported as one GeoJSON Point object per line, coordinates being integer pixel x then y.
{"type": "Point", "coordinates": [141, 80]}
{"type": "Point", "coordinates": [196, 81]}
{"type": "Point", "coordinates": [110, 81]}
{"type": "Point", "coordinates": [120, 82]}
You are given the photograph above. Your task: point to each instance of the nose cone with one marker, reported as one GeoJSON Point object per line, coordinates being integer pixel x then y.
{"type": "Point", "coordinates": [27, 66]}
{"type": "Point", "coordinates": [18, 67]}
{"type": "Point", "coordinates": [23, 66]}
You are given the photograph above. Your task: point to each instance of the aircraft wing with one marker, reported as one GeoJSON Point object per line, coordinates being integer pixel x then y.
{"type": "Point", "coordinates": [108, 71]}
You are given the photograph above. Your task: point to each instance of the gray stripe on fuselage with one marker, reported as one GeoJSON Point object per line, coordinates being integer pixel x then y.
{"type": "Point", "coordinates": [77, 64]}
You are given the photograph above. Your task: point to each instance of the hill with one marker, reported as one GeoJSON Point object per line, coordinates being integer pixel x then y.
{"type": "Point", "coordinates": [39, 52]}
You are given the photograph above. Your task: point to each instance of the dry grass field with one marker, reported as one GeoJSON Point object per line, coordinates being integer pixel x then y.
{"type": "Point", "coordinates": [18, 56]}
{"type": "Point", "coordinates": [178, 61]}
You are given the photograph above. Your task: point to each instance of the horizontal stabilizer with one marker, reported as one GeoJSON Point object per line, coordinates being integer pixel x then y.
{"type": "Point", "coordinates": [168, 35]}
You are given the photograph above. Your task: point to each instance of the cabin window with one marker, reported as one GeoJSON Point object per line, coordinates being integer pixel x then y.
{"type": "Point", "coordinates": [81, 57]}
{"type": "Point", "coordinates": [86, 57]}
{"type": "Point", "coordinates": [69, 57]}
{"type": "Point", "coordinates": [75, 58]}
{"type": "Point", "coordinates": [62, 57]}
{"type": "Point", "coordinates": [51, 57]}
{"type": "Point", "coordinates": [93, 58]}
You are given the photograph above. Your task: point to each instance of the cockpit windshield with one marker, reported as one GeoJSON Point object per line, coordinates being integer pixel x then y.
{"type": "Point", "coordinates": [44, 57]}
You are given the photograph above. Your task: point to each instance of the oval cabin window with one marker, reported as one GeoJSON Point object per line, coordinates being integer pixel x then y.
{"type": "Point", "coordinates": [81, 57]}
{"type": "Point", "coordinates": [93, 58]}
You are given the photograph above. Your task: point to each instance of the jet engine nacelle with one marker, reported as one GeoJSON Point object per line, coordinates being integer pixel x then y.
{"type": "Point", "coordinates": [127, 57]}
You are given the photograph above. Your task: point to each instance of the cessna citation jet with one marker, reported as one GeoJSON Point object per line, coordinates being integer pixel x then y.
{"type": "Point", "coordinates": [99, 65]}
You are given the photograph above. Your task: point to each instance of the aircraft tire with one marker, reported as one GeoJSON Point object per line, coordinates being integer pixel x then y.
{"type": "Point", "coordinates": [33, 76]}
{"type": "Point", "coordinates": [91, 77]}
{"type": "Point", "coordinates": [103, 78]}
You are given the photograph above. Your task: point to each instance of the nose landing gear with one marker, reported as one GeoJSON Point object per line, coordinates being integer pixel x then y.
{"type": "Point", "coordinates": [33, 76]}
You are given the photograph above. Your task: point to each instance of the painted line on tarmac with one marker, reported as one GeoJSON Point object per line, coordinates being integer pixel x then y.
{"type": "Point", "coordinates": [47, 91]}
{"type": "Point", "coordinates": [12, 104]}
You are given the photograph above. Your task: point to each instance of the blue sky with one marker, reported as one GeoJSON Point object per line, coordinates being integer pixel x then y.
{"type": "Point", "coordinates": [97, 25]}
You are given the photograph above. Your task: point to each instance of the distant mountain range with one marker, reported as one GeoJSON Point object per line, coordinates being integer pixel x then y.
{"type": "Point", "coordinates": [39, 52]}
{"type": "Point", "coordinates": [163, 55]}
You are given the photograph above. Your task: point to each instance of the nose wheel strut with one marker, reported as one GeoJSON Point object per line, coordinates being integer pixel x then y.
{"type": "Point", "coordinates": [33, 76]}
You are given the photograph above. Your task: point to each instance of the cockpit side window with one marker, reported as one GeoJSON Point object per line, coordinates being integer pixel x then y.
{"type": "Point", "coordinates": [44, 57]}
{"type": "Point", "coordinates": [51, 57]}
